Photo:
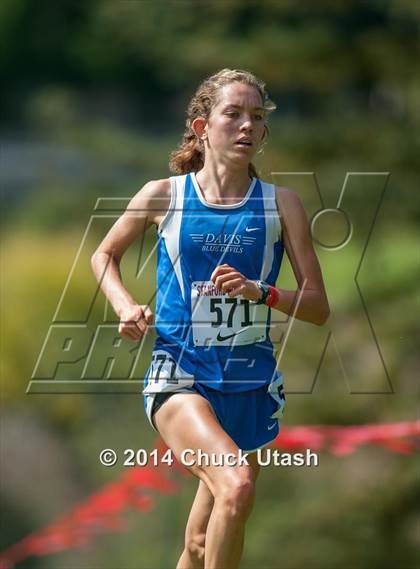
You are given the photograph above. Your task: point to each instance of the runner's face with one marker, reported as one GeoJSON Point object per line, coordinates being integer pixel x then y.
{"type": "Point", "coordinates": [236, 124]}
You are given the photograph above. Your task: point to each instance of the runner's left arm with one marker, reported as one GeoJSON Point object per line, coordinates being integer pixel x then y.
{"type": "Point", "coordinates": [309, 302]}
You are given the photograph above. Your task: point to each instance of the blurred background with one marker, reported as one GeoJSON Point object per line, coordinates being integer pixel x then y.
{"type": "Point", "coordinates": [94, 100]}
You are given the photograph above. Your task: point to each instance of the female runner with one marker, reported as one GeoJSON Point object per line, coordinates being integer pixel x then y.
{"type": "Point", "coordinates": [212, 386]}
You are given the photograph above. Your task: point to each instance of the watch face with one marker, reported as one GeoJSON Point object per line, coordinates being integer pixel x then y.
{"type": "Point", "coordinates": [265, 291]}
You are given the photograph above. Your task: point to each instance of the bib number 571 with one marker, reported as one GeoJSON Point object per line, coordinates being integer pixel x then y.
{"type": "Point", "coordinates": [216, 307]}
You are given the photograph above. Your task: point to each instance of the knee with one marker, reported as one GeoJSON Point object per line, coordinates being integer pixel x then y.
{"type": "Point", "coordinates": [237, 494]}
{"type": "Point", "coordinates": [195, 545]}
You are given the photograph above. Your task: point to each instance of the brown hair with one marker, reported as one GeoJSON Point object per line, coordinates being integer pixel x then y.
{"type": "Point", "coordinates": [189, 156]}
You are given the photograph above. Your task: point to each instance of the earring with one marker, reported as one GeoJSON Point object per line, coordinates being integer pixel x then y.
{"type": "Point", "coordinates": [261, 148]}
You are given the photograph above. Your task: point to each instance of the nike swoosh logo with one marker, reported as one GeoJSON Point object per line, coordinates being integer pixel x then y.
{"type": "Point", "coordinates": [220, 338]}
{"type": "Point", "coordinates": [248, 229]}
{"type": "Point", "coordinates": [271, 426]}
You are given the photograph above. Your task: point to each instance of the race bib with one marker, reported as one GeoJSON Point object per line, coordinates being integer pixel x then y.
{"type": "Point", "coordinates": [219, 320]}
{"type": "Point", "coordinates": [165, 375]}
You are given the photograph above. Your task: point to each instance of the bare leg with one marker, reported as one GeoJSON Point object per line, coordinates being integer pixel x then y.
{"type": "Point", "coordinates": [195, 534]}
{"type": "Point", "coordinates": [218, 528]}
{"type": "Point", "coordinates": [188, 421]}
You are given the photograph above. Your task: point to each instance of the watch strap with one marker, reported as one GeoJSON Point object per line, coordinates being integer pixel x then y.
{"type": "Point", "coordinates": [265, 292]}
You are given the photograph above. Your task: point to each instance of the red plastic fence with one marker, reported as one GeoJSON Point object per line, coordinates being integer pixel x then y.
{"type": "Point", "coordinates": [103, 511]}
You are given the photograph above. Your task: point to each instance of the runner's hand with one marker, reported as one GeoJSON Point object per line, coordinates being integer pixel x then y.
{"type": "Point", "coordinates": [134, 321]}
{"type": "Point", "coordinates": [234, 283]}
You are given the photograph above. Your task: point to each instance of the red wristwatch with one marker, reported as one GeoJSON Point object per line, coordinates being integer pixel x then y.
{"type": "Point", "coordinates": [270, 295]}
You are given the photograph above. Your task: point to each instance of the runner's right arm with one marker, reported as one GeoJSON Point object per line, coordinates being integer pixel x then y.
{"type": "Point", "coordinates": [147, 207]}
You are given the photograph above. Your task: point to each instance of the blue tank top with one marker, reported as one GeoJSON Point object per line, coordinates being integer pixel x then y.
{"type": "Point", "coordinates": [224, 342]}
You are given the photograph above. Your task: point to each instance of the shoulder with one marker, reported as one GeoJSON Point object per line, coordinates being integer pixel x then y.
{"type": "Point", "coordinates": [283, 195]}
{"type": "Point", "coordinates": [154, 190]}
{"type": "Point", "coordinates": [287, 196]}
{"type": "Point", "coordinates": [153, 199]}
{"type": "Point", "coordinates": [289, 204]}
{"type": "Point", "coordinates": [155, 194]}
